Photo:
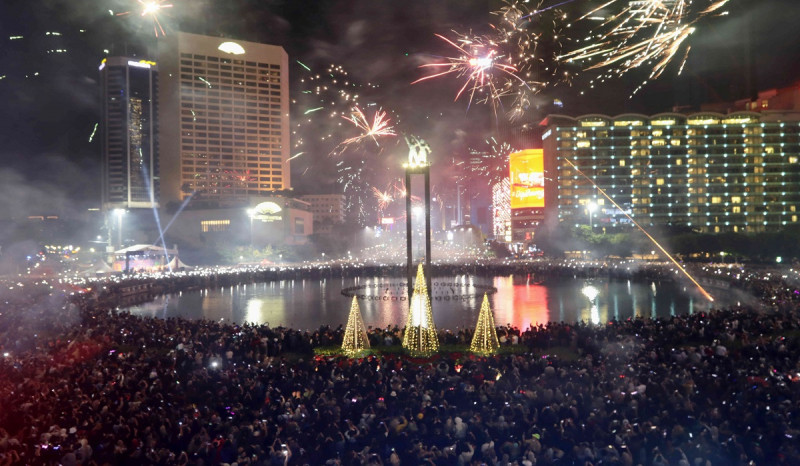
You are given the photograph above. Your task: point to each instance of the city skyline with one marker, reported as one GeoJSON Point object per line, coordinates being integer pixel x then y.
{"type": "Point", "coordinates": [379, 47]}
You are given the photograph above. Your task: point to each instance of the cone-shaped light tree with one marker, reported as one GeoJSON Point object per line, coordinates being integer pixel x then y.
{"type": "Point", "coordinates": [420, 334]}
{"type": "Point", "coordinates": [355, 334]}
{"type": "Point", "coordinates": [484, 341]}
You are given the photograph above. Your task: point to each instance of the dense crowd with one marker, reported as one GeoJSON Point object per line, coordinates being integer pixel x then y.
{"type": "Point", "coordinates": [82, 384]}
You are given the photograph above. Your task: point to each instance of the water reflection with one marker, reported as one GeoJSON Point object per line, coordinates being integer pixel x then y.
{"type": "Point", "coordinates": [520, 301]}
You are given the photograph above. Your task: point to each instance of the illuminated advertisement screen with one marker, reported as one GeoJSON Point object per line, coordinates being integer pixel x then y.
{"type": "Point", "coordinates": [527, 179]}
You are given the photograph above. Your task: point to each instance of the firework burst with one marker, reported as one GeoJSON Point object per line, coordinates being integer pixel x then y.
{"type": "Point", "coordinates": [488, 74]}
{"type": "Point", "coordinates": [648, 33]}
{"type": "Point", "coordinates": [516, 59]}
{"type": "Point", "coordinates": [151, 9]}
{"type": "Point", "coordinates": [380, 126]}
{"type": "Point", "coordinates": [384, 198]}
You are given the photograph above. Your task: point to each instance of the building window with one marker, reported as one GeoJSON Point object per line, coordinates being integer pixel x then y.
{"type": "Point", "coordinates": [215, 225]}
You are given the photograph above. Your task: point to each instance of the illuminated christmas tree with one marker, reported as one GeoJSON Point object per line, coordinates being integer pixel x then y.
{"type": "Point", "coordinates": [355, 334]}
{"type": "Point", "coordinates": [485, 339]}
{"type": "Point", "coordinates": [420, 335]}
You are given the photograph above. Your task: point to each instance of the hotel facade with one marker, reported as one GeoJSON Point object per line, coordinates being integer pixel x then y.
{"type": "Point", "coordinates": [224, 120]}
{"type": "Point", "coordinates": [712, 172]}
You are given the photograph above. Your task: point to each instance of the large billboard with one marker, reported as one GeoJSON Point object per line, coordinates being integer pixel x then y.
{"type": "Point", "coordinates": [527, 179]}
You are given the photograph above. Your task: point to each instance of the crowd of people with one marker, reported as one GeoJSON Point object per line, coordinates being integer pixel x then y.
{"type": "Point", "coordinates": [83, 384]}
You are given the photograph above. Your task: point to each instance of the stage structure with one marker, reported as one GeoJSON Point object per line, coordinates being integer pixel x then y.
{"type": "Point", "coordinates": [418, 164]}
{"type": "Point", "coordinates": [485, 341]}
{"type": "Point", "coordinates": [420, 333]}
{"type": "Point", "coordinates": [355, 334]}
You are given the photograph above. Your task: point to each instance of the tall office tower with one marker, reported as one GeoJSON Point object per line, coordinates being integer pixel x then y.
{"type": "Point", "coordinates": [224, 126]}
{"type": "Point", "coordinates": [130, 147]}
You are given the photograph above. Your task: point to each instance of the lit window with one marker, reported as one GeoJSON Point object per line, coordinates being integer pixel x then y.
{"type": "Point", "coordinates": [736, 199]}
{"type": "Point", "coordinates": [215, 225]}
{"type": "Point", "coordinates": [716, 199]}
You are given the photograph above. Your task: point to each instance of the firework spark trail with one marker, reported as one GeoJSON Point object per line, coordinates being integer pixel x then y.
{"type": "Point", "coordinates": [479, 66]}
{"type": "Point", "coordinates": [661, 248]}
{"type": "Point", "coordinates": [542, 10]}
{"type": "Point", "coordinates": [646, 33]}
{"type": "Point", "coordinates": [507, 61]}
{"type": "Point", "coordinates": [494, 163]}
{"type": "Point", "coordinates": [384, 198]}
{"type": "Point", "coordinates": [381, 126]}
{"type": "Point", "coordinates": [151, 8]}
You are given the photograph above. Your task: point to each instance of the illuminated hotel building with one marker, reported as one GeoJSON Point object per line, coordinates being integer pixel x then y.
{"type": "Point", "coordinates": [130, 171]}
{"type": "Point", "coordinates": [224, 126]}
{"type": "Point", "coordinates": [736, 172]}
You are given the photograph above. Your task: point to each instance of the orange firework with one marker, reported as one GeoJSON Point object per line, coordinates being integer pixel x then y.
{"type": "Point", "coordinates": [152, 8]}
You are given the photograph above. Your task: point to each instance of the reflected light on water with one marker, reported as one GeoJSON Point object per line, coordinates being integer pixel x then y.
{"type": "Point", "coordinates": [519, 301]}
{"type": "Point", "coordinates": [253, 314]}
{"type": "Point", "coordinates": [591, 292]}
{"type": "Point", "coordinates": [519, 304]}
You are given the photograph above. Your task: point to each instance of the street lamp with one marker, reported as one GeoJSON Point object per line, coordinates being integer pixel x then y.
{"type": "Point", "coordinates": [591, 207]}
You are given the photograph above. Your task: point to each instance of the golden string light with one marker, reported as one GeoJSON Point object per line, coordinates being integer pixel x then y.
{"type": "Point", "coordinates": [420, 333]}
{"type": "Point", "coordinates": [485, 341]}
{"type": "Point", "coordinates": [355, 333]}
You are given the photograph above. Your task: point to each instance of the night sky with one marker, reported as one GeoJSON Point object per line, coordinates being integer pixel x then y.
{"type": "Point", "coordinates": [48, 164]}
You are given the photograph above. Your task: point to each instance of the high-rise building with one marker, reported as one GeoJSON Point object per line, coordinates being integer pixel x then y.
{"type": "Point", "coordinates": [713, 172]}
{"type": "Point", "coordinates": [501, 208]}
{"type": "Point", "coordinates": [224, 126]}
{"type": "Point", "coordinates": [328, 210]}
{"type": "Point", "coordinates": [130, 177]}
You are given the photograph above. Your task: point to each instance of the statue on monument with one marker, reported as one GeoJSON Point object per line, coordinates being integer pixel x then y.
{"type": "Point", "coordinates": [418, 151]}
